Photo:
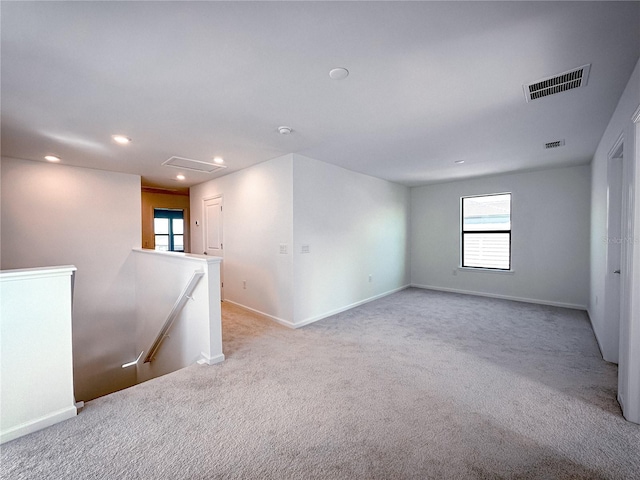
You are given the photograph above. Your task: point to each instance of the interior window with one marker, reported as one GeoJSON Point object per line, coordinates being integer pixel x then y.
{"type": "Point", "coordinates": [486, 231]}
{"type": "Point", "coordinates": [168, 229]}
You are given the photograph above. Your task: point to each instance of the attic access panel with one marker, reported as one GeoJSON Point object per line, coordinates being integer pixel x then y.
{"type": "Point", "coordinates": [194, 165]}
{"type": "Point", "coordinates": [575, 78]}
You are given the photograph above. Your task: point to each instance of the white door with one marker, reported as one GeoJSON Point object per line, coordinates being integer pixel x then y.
{"type": "Point", "coordinates": [628, 366]}
{"type": "Point", "coordinates": [213, 233]}
{"type": "Point", "coordinates": [613, 291]}
{"type": "Point", "coordinates": [621, 185]}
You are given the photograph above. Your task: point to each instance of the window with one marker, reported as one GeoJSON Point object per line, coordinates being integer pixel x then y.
{"type": "Point", "coordinates": [486, 231]}
{"type": "Point", "coordinates": [168, 228]}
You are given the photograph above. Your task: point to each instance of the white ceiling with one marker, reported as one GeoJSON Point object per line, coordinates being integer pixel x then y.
{"type": "Point", "coordinates": [430, 83]}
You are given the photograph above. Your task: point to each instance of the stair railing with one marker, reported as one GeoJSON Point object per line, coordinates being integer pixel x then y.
{"type": "Point", "coordinates": [173, 314]}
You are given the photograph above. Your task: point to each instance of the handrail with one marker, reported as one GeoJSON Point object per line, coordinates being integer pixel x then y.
{"type": "Point", "coordinates": [135, 362]}
{"type": "Point", "coordinates": [175, 311]}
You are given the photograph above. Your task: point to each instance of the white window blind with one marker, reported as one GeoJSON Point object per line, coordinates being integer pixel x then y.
{"type": "Point", "coordinates": [486, 231]}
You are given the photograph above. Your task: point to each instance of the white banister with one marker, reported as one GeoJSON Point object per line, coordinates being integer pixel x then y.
{"type": "Point", "coordinates": [192, 330]}
{"type": "Point", "coordinates": [175, 311]}
{"type": "Point", "coordinates": [35, 319]}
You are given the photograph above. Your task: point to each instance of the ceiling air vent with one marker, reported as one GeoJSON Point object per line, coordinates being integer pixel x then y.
{"type": "Point", "coordinates": [195, 165]}
{"type": "Point", "coordinates": [562, 82]}
{"type": "Point", "coordinates": [556, 144]}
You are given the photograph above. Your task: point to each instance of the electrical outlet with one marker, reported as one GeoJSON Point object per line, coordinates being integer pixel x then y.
{"type": "Point", "coordinates": [370, 278]}
{"type": "Point", "coordinates": [305, 249]}
{"type": "Point", "coordinates": [284, 249]}
{"type": "Point", "coordinates": [454, 272]}
{"type": "Point", "coordinates": [244, 284]}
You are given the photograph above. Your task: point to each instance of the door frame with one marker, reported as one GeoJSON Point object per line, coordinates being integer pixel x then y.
{"type": "Point", "coordinates": [204, 234]}
{"type": "Point", "coordinates": [615, 254]}
{"type": "Point", "coordinates": [630, 332]}
{"type": "Point", "coordinates": [629, 365]}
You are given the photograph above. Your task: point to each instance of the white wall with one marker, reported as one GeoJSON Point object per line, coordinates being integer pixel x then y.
{"type": "Point", "coordinates": [612, 336]}
{"type": "Point", "coordinates": [354, 226]}
{"type": "Point", "coordinates": [257, 218]}
{"type": "Point", "coordinates": [60, 215]}
{"type": "Point", "coordinates": [35, 350]}
{"type": "Point", "coordinates": [550, 237]}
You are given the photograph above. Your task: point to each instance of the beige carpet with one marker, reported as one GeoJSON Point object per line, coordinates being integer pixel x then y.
{"type": "Point", "coordinates": [417, 385]}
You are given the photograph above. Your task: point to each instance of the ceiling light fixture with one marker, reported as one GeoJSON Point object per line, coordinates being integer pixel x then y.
{"type": "Point", "coordinates": [121, 139]}
{"type": "Point", "coordinates": [284, 130]}
{"type": "Point", "coordinates": [339, 73]}
{"type": "Point", "coordinates": [180, 176]}
{"type": "Point", "coordinates": [52, 158]}
{"type": "Point", "coordinates": [218, 160]}
{"type": "Point", "coordinates": [459, 162]}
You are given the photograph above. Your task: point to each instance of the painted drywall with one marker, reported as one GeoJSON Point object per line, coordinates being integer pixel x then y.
{"type": "Point", "coordinates": [346, 227]}
{"type": "Point", "coordinates": [550, 237]}
{"type": "Point", "coordinates": [353, 224]}
{"type": "Point", "coordinates": [35, 350]}
{"type": "Point", "coordinates": [152, 200]}
{"type": "Point", "coordinates": [62, 215]}
{"type": "Point", "coordinates": [257, 220]}
{"type": "Point", "coordinates": [619, 341]}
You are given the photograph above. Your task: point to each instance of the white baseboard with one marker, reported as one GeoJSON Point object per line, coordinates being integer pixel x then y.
{"type": "Point", "coordinates": [38, 424]}
{"type": "Point", "coordinates": [207, 360]}
{"type": "Point", "coordinates": [503, 297]}
{"type": "Point", "coordinates": [281, 321]}
{"type": "Point", "coordinates": [595, 334]}
{"type": "Point", "coordinates": [347, 307]}
{"type": "Point", "coordinates": [316, 318]}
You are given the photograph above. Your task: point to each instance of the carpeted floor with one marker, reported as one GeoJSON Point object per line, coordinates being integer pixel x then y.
{"type": "Point", "coordinates": [417, 385]}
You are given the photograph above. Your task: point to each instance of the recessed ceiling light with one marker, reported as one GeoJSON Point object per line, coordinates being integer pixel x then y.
{"type": "Point", "coordinates": [180, 177]}
{"type": "Point", "coordinates": [218, 160]}
{"type": "Point", "coordinates": [121, 139]}
{"type": "Point", "coordinates": [459, 162]}
{"type": "Point", "coordinates": [339, 73]}
{"type": "Point", "coordinates": [52, 158]}
{"type": "Point", "coordinates": [284, 130]}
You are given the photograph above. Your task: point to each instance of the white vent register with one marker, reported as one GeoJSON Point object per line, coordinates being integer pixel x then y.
{"type": "Point", "coordinates": [554, 144]}
{"type": "Point", "coordinates": [575, 78]}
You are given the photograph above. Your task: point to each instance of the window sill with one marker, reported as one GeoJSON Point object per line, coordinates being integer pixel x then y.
{"type": "Point", "coordinates": [486, 270]}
